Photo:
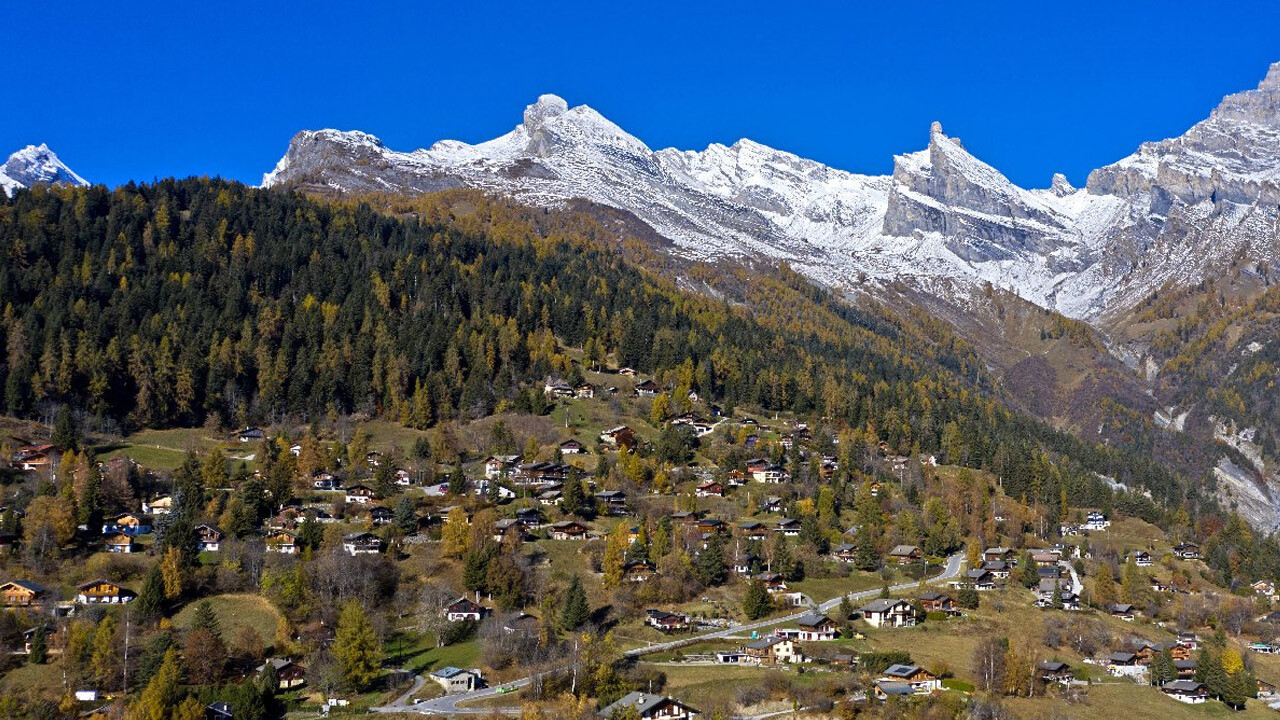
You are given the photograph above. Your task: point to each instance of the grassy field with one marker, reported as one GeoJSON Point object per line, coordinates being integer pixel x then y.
{"type": "Point", "coordinates": [1132, 702]}
{"type": "Point", "coordinates": [38, 679]}
{"type": "Point", "coordinates": [235, 612]}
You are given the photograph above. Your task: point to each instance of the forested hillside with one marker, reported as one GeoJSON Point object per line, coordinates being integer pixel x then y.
{"type": "Point", "coordinates": [197, 301]}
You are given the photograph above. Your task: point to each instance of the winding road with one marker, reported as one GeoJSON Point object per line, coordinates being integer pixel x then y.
{"type": "Point", "coordinates": [450, 704]}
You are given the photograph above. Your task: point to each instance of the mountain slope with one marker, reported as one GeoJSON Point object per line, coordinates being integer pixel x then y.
{"type": "Point", "coordinates": [35, 165]}
{"type": "Point", "coordinates": [944, 222]}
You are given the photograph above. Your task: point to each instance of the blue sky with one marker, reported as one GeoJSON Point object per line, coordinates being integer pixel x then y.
{"type": "Point", "coordinates": [142, 90]}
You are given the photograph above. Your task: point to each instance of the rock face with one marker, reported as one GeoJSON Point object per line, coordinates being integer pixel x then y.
{"type": "Point", "coordinates": [35, 165]}
{"type": "Point", "coordinates": [944, 222]}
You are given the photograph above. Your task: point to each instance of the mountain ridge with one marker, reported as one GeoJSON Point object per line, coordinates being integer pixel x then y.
{"type": "Point", "coordinates": [944, 220]}
{"type": "Point", "coordinates": [35, 165]}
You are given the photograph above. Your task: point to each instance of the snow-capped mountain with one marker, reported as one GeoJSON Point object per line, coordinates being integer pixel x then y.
{"type": "Point", "coordinates": [944, 222]}
{"type": "Point", "coordinates": [34, 165]}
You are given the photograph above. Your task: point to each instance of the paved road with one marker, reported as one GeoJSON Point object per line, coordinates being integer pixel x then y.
{"type": "Point", "coordinates": [449, 704]}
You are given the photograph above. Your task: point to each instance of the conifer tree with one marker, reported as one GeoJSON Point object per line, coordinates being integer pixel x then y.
{"type": "Point", "coordinates": [39, 646]}
{"type": "Point", "coordinates": [150, 602]}
{"type": "Point", "coordinates": [756, 602]}
{"type": "Point", "coordinates": [161, 693]}
{"type": "Point", "coordinates": [614, 558]}
{"type": "Point", "coordinates": [575, 612]}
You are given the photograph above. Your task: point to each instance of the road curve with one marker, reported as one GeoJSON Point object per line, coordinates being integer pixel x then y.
{"type": "Point", "coordinates": [449, 704]}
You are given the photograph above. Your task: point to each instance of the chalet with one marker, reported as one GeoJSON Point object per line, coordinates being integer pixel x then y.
{"type": "Point", "coordinates": [530, 517]}
{"type": "Point", "coordinates": [922, 681]}
{"type": "Point", "coordinates": [626, 372]}
{"type": "Point", "coordinates": [736, 478]}
{"type": "Point", "coordinates": [403, 478]}
{"type": "Point", "coordinates": [325, 481]}
{"type": "Point", "coordinates": [934, 601]}
{"type": "Point", "coordinates": [361, 543]}
{"type": "Point", "coordinates": [381, 515]}
{"type": "Point", "coordinates": [712, 526]}
{"type": "Point", "coordinates": [162, 505]}
{"type": "Point", "coordinates": [816, 627]}
{"type": "Point", "coordinates": [620, 436]}
{"type": "Point", "coordinates": [572, 447]}
{"type": "Point", "coordinates": [638, 571]}
{"type": "Point", "coordinates": [747, 564]}
{"type": "Point", "coordinates": [771, 651]}
{"type": "Point", "coordinates": [1124, 664]}
{"type": "Point", "coordinates": [250, 434]}
{"type": "Point", "coordinates": [1147, 652]}
{"type": "Point", "coordinates": [22, 594]}
{"type": "Point", "coordinates": [32, 458]}
{"type": "Point", "coordinates": [648, 706]}
{"type": "Point", "coordinates": [373, 458]}
{"type": "Point", "coordinates": [769, 473]}
{"type": "Point", "coordinates": [905, 554]}
{"type": "Point", "coordinates": [998, 554]}
{"type": "Point", "coordinates": [282, 541]}
{"type": "Point", "coordinates": [752, 530]}
{"type": "Point", "coordinates": [288, 674]}
{"type": "Point", "coordinates": [875, 488]}
{"type": "Point", "coordinates": [496, 466]}
{"type": "Point", "coordinates": [999, 569]}
{"type": "Point", "coordinates": [665, 621]}
{"type": "Point", "coordinates": [522, 625]}
{"type": "Point", "coordinates": [1049, 573]}
{"type": "Point", "coordinates": [361, 494]}
{"type": "Point", "coordinates": [127, 523]}
{"type": "Point", "coordinates": [1045, 559]}
{"type": "Point", "coordinates": [1124, 611]}
{"type": "Point", "coordinates": [1187, 551]}
{"type": "Point", "coordinates": [1189, 640]}
{"type": "Point", "coordinates": [845, 552]}
{"type": "Point", "coordinates": [541, 474]}
{"type": "Point", "coordinates": [1096, 521]}
{"type": "Point", "coordinates": [710, 488]}
{"type": "Point", "coordinates": [978, 579]}
{"type": "Point", "coordinates": [885, 689]}
{"type": "Point", "coordinates": [585, 391]}
{"type": "Point", "coordinates": [456, 680]}
{"type": "Point", "coordinates": [888, 612]}
{"type": "Point", "coordinates": [789, 527]}
{"type": "Point", "coordinates": [773, 582]}
{"type": "Point", "coordinates": [464, 609]}
{"type": "Point", "coordinates": [686, 517]}
{"type": "Point", "coordinates": [557, 388]}
{"type": "Point", "coordinates": [1053, 671]}
{"type": "Point", "coordinates": [569, 530]}
{"type": "Point", "coordinates": [208, 538]}
{"type": "Point", "coordinates": [103, 592]}
{"type": "Point", "coordinates": [509, 529]}
{"type": "Point", "coordinates": [1186, 691]}
{"type": "Point", "coordinates": [119, 543]}
{"type": "Point", "coordinates": [1141, 559]}
{"type": "Point", "coordinates": [613, 501]}
{"type": "Point", "coordinates": [647, 388]}
{"type": "Point", "coordinates": [1264, 588]}
{"type": "Point", "coordinates": [550, 497]}
{"type": "Point", "coordinates": [771, 504]}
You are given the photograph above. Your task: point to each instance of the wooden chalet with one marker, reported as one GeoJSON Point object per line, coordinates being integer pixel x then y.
{"type": "Point", "coordinates": [569, 530]}
{"type": "Point", "coordinates": [103, 592]}
{"type": "Point", "coordinates": [22, 594]}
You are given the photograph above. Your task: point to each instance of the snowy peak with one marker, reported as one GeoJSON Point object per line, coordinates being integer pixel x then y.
{"type": "Point", "coordinates": [944, 222]}
{"type": "Point", "coordinates": [35, 165]}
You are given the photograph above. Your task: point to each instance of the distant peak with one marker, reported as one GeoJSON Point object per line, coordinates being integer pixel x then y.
{"type": "Point", "coordinates": [547, 107]}
{"type": "Point", "coordinates": [1061, 186]}
{"type": "Point", "coordinates": [1272, 80]}
{"type": "Point", "coordinates": [935, 130]}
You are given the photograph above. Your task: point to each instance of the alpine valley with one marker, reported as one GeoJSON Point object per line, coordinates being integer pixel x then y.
{"type": "Point", "coordinates": [1087, 299]}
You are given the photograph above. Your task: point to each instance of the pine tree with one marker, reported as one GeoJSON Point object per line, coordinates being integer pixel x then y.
{"type": "Point", "coordinates": [105, 661]}
{"type": "Point", "coordinates": [355, 647]}
{"type": "Point", "coordinates": [1104, 588]}
{"type": "Point", "coordinates": [206, 619]}
{"type": "Point", "coordinates": [39, 646]}
{"type": "Point", "coordinates": [1028, 575]}
{"type": "Point", "coordinates": [709, 565]}
{"type": "Point", "coordinates": [756, 602]}
{"type": "Point", "coordinates": [406, 517]}
{"type": "Point", "coordinates": [150, 602]}
{"type": "Point", "coordinates": [575, 612]}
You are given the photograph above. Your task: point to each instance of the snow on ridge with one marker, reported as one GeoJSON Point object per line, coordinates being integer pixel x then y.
{"type": "Point", "coordinates": [1173, 210]}
{"type": "Point", "coordinates": [36, 165]}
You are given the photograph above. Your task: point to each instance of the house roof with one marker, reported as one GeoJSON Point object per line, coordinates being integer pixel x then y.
{"type": "Point", "coordinates": [895, 687]}
{"type": "Point", "coordinates": [901, 671]}
{"type": "Point", "coordinates": [882, 605]}
{"type": "Point", "coordinates": [26, 584]}
{"type": "Point", "coordinates": [644, 703]}
{"type": "Point", "coordinates": [904, 550]}
{"type": "Point", "coordinates": [812, 620]}
{"type": "Point", "coordinates": [1185, 686]}
{"type": "Point", "coordinates": [449, 672]}
{"type": "Point", "coordinates": [1052, 665]}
